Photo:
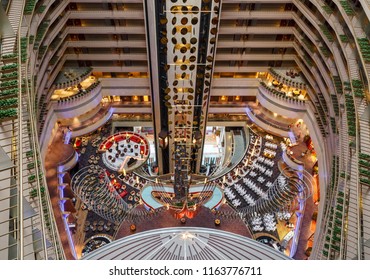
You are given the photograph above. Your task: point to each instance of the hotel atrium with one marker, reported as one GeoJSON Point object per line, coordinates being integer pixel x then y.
{"type": "Point", "coordinates": [184, 129]}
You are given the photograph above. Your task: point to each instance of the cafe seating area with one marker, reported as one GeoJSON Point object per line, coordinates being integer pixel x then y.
{"type": "Point", "coordinates": [285, 83]}
{"type": "Point", "coordinates": [95, 242]}
{"type": "Point", "coordinates": [124, 151]}
{"type": "Point", "coordinates": [94, 151]}
{"type": "Point", "coordinates": [266, 222]}
{"type": "Point", "coordinates": [256, 172]}
{"type": "Point", "coordinates": [253, 177]}
{"type": "Point", "coordinates": [94, 224]}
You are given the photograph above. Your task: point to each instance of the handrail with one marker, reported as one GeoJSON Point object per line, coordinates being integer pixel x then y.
{"type": "Point", "coordinates": [286, 129]}
{"type": "Point", "coordinates": [32, 140]}
{"type": "Point", "coordinates": [71, 156]}
{"type": "Point", "coordinates": [290, 160]}
{"type": "Point", "coordinates": [357, 146]}
{"type": "Point", "coordinates": [106, 110]}
{"type": "Point", "coordinates": [44, 200]}
{"type": "Point", "coordinates": [8, 6]}
{"type": "Point", "coordinates": [223, 169]}
{"type": "Point", "coordinates": [74, 82]}
{"type": "Point", "coordinates": [287, 81]}
{"type": "Point", "coordinates": [281, 95]}
{"type": "Point", "coordinates": [20, 146]}
{"type": "Point", "coordinates": [81, 94]}
{"type": "Point", "coordinates": [216, 176]}
{"type": "Point", "coordinates": [54, 234]}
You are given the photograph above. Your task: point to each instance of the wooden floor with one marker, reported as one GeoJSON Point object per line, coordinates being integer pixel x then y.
{"type": "Point", "coordinates": [79, 236]}
{"type": "Point", "coordinates": [307, 230]}
{"type": "Point", "coordinates": [58, 153]}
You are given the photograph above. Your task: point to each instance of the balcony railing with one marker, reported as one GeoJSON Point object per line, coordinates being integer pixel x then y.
{"type": "Point", "coordinates": [286, 80]}
{"type": "Point", "coordinates": [75, 81]}
{"type": "Point", "coordinates": [268, 125]}
{"type": "Point", "coordinates": [281, 98]}
{"type": "Point", "coordinates": [75, 100]}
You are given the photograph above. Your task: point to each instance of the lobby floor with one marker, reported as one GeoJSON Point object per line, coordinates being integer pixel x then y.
{"type": "Point", "coordinates": [203, 218]}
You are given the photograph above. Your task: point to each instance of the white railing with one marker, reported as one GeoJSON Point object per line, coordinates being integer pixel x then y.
{"type": "Point", "coordinates": [291, 162]}
{"type": "Point", "coordinates": [280, 97]}
{"type": "Point", "coordinates": [68, 163]}
{"type": "Point", "coordinates": [266, 126]}
{"type": "Point", "coordinates": [77, 100]}
{"type": "Point", "coordinates": [93, 126]}
{"type": "Point", "coordinates": [48, 225]}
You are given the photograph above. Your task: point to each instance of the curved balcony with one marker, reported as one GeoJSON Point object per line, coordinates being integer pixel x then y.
{"type": "Point", "coordinates": [287, 78]}
{"type": "Point", "coordinates": [71, 78]}
{"type": "Point", "coordinates": [81, 93]}
{"type": "Point", "coordinates": [291, 161]}
{"type": "Point", "coordinates": [89, 96]}
{"type": "Point", "coordinates": [268, 124]}
{"type": "Point", "coordinates": [104, 114]}
{"type": "Point", "coordinates": [68, 163]}
{"type": "Point", "coordinates": [280, 103]}
{"type": "Point", "coordinates": [282, 96]}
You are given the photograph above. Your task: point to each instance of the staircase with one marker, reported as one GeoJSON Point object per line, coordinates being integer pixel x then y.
{"type": "Point", "coordinates": [14, 16]}
{"type": "Point", "coordinates": [364, 123]}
